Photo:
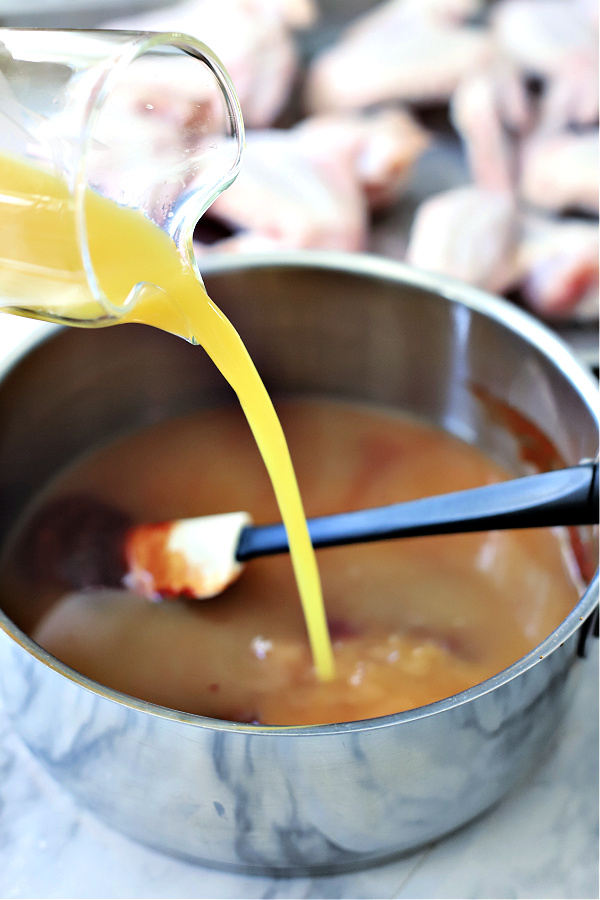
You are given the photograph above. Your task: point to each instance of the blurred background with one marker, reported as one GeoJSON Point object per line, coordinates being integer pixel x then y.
{"type": "Point", "coordinates": [460, 136]}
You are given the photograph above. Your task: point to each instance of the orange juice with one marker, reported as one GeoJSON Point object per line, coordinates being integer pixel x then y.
{"type": "Point", "coordinates": [40, 258]}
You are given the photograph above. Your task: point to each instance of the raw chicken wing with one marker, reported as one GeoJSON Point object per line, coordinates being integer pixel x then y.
{"type": "Point", "coordinates": [313, 186]}
{"type": "Point", "coordinates": [556, 41]}
{"type": "Point", "coordinates": [283, 199]}
{"type": "Point", "coordinates": [476, 111]}
{"type": "Point", "coordinates": [469, 233]}
{"type": "Point", "coordinates": [253, 39]}
{"type": "Point", "coordinates": [558, 264]}
{"type": "Point", "coordinates": [403, 50]}
{"type": "Point", "coordinates": [383, 145]}
{"type": "Point", "coordinates": [560, 171]}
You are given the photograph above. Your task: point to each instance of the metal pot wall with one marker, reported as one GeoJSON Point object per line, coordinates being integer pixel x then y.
{"type": "Point", "coordinates": [318, 799]}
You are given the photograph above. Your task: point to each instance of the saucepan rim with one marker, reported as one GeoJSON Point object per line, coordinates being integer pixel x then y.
{"type": "Point", "coordinates": [535, 332]}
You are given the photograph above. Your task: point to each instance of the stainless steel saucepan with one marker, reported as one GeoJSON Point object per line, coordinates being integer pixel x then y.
{"type": "Point", "coordinates": [310, 799]}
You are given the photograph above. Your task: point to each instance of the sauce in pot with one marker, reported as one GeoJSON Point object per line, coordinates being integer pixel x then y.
{"type": "Point", "coordinates": [411, 621]}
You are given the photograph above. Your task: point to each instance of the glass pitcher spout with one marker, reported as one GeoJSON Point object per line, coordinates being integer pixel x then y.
{"type": "Point", "coordinates": [104, 133]}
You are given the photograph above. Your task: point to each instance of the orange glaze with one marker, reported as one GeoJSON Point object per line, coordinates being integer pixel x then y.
{"type": "Point", "coordinates": [411, 621]}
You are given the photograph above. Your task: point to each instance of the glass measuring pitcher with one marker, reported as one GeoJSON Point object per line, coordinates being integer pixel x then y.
{"type": "Point", "coordinates": [90, 120]}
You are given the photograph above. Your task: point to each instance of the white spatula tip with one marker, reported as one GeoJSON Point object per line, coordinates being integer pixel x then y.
{"type": "Point", "coordinates": [186, 558]}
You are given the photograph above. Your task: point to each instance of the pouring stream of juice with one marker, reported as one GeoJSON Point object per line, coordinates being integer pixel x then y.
{"type": "Point", "coordinates": [126, 249]}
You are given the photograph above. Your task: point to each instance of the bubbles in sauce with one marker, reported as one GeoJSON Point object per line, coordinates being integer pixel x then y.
{"type": "Point", "coordinates": [411, 621]}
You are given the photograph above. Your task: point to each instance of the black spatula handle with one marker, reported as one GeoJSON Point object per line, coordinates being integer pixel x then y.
{"type": "Point", "coordinates": [564, 497]}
